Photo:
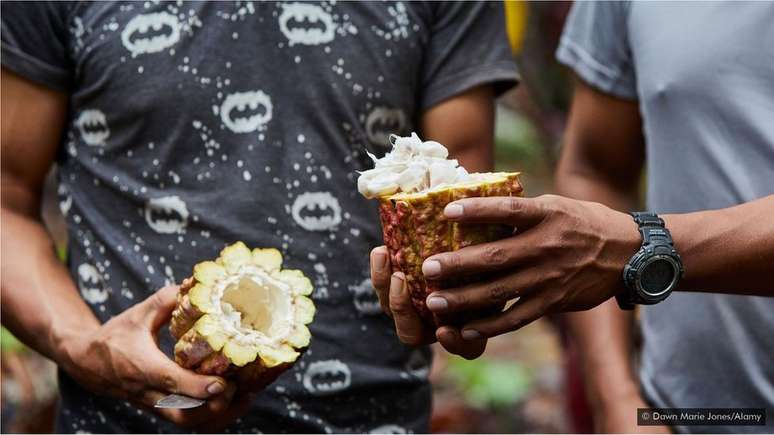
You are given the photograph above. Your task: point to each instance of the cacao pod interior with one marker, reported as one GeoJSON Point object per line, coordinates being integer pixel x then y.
{"type": "Point", "coordinates": [261, 305]}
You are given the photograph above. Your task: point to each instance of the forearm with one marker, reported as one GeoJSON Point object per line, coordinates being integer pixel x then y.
{"type": "Point", "coordinates": [603, 334]}
{"type": "Point", "coordinates": [41, 304]}
{"type": "Point", "coordinates": [729, 250]}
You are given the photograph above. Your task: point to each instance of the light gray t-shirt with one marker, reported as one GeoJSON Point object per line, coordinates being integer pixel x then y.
{"type": "Point", "coordinates": [703, 74]}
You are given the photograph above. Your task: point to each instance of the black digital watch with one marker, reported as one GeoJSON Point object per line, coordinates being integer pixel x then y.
{"type": "Point", "coordinates": [655, 269]}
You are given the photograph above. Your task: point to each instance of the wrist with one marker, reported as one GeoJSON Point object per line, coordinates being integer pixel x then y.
{"type": "Point", "coordinates": [626, 241]}
{"type": "Point", "coordinates": [632, 239]}
{"type": "Point", "coordinates": [656, 269]}
{"type": "Point", "coordinates": [69, 344]}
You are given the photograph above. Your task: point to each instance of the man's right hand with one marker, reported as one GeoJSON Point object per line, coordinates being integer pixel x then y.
{"type": "Point", "coordinates": [121, 359]}
{"type": "Point", "coordinates": [396, 302]}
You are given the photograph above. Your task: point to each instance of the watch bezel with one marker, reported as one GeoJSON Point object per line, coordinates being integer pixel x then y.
{"type": "Point", "coordinates": [661, 295]}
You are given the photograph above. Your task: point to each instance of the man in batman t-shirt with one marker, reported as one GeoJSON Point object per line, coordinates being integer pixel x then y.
{"type": "Point", "coordinates": [179, 128]}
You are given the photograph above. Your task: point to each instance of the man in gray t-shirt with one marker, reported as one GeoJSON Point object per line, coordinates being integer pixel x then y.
{"type": "Point", "coordinates": [179, 128]}
{"type": "Point", "coordinates": [702, 78]}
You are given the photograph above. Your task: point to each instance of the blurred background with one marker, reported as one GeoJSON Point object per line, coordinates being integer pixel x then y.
{"type": "Point", "coordinates": [523, 382]}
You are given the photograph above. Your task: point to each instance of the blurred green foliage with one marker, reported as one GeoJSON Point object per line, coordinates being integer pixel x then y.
{"type": "Point", "coordinates": [490, 384]}
{"type": "Point", "coordinates": [9, 343]}
{"type": "Point", "coordinates": [517, 142]}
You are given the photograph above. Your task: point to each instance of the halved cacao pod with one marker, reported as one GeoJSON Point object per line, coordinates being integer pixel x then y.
{"type": "Point", "coordinates": [414, 228]}
{"type": "Point", "coordinates": [243, 316]}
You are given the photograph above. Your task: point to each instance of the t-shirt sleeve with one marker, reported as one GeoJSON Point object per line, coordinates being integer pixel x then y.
{"type": "Point", "coordinates": [468, 47]}
{"type": "Point", "coordinates": [595, 44]}
{"type": "Point", "coordinates": [34, 42]}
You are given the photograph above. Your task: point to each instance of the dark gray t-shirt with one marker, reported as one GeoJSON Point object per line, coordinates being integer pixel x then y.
{"type": "Point", "coordinates": [703, 74]}
{"type": "Point", "coordinates": [193, 125]}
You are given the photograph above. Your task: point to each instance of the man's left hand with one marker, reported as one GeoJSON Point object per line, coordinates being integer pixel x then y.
{"type": "Point", "coordinates": [396, 302]}
{"type": "Point", "coordinates": [565, 255]}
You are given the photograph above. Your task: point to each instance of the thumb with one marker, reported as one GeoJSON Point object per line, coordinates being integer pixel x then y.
{"type": "Point", "coordinates": [511, 210]}
{"type": "Point", "coordinates": [158, 307]}
{"type": "Point", "coordinates": [164, 374]}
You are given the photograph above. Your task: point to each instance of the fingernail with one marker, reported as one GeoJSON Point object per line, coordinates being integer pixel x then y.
{"type": "Point", "coordinates": [453, 211]}
{"type": "Point", "coordinates": [431, 268]}
{"type": "Point", "coordinates": [380, 261]}
{"type": "Point", "coordinates": [436, 303]}
{"type": "Point", "coordinates": [215, 388]}
{"type": "Point", "coordinates": [470, 334]}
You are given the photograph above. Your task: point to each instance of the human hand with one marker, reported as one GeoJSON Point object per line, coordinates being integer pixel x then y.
{"type": "Point", "coordinates": [565, 255]}
{"type": "Point", "coordinates": [396, 302]}
{"type": "Point", "coordinates": [121, 359]}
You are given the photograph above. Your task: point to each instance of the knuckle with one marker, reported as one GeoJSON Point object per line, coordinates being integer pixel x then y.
{"type": "Point", "coordinates": [379, 283]}
{"type": "Point", "coordinates": [410, 339]}
{"type": "Point", "coordinates": [380, 288]}
{"type": "Point", "coordinates": [552, 245]}
{"type": "Point", "coordinates": [169, 382]}
{"type": "Point", "coordinates": [549, 202]}
{"type": "Point", "coordinates": [399, 305]}
{"type": "Point", "coordinates": [512, 205]}
{"type": "Point", "coordinates": [494, 255]}
{"type": "Point", "coordinates": [499, 293]}
{"type": "Point", "coordinates": [555, 276]}
{"type": "Point", "coordinates": [509, 207]}
{"type": "Point", "coordinates": [154, 301]}
{"type": "Point", "coordinates": [550, 279]}
{"type": "Point", "coordinates": [451, 260]}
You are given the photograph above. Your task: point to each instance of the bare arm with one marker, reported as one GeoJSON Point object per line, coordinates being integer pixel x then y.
{"type": "Point", "coordinates": [730, 250]}
{"type": "Point", "coordinates": [40, 302]}
{"type": "Point", "coordinates": [602, 159]}
{"type": "Point", "coordinates": [465, 124]}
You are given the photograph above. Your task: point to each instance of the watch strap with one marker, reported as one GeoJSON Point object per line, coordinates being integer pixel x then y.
{"type": "Point", "coordinates": [624, 301]}
{"type": "Point", "coordinates": [651, 228]}
{"type": "Point", "coordinates": [646, 218]}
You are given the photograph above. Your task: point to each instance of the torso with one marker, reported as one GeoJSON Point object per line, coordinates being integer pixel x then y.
{"type": "Point", "coordinates": [705, 79]}
{"type": "Point", "coordinates": [196, 125]}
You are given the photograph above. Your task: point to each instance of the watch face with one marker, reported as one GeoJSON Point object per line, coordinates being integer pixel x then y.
{"type": "Point", "coordinates": [657, 276]}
